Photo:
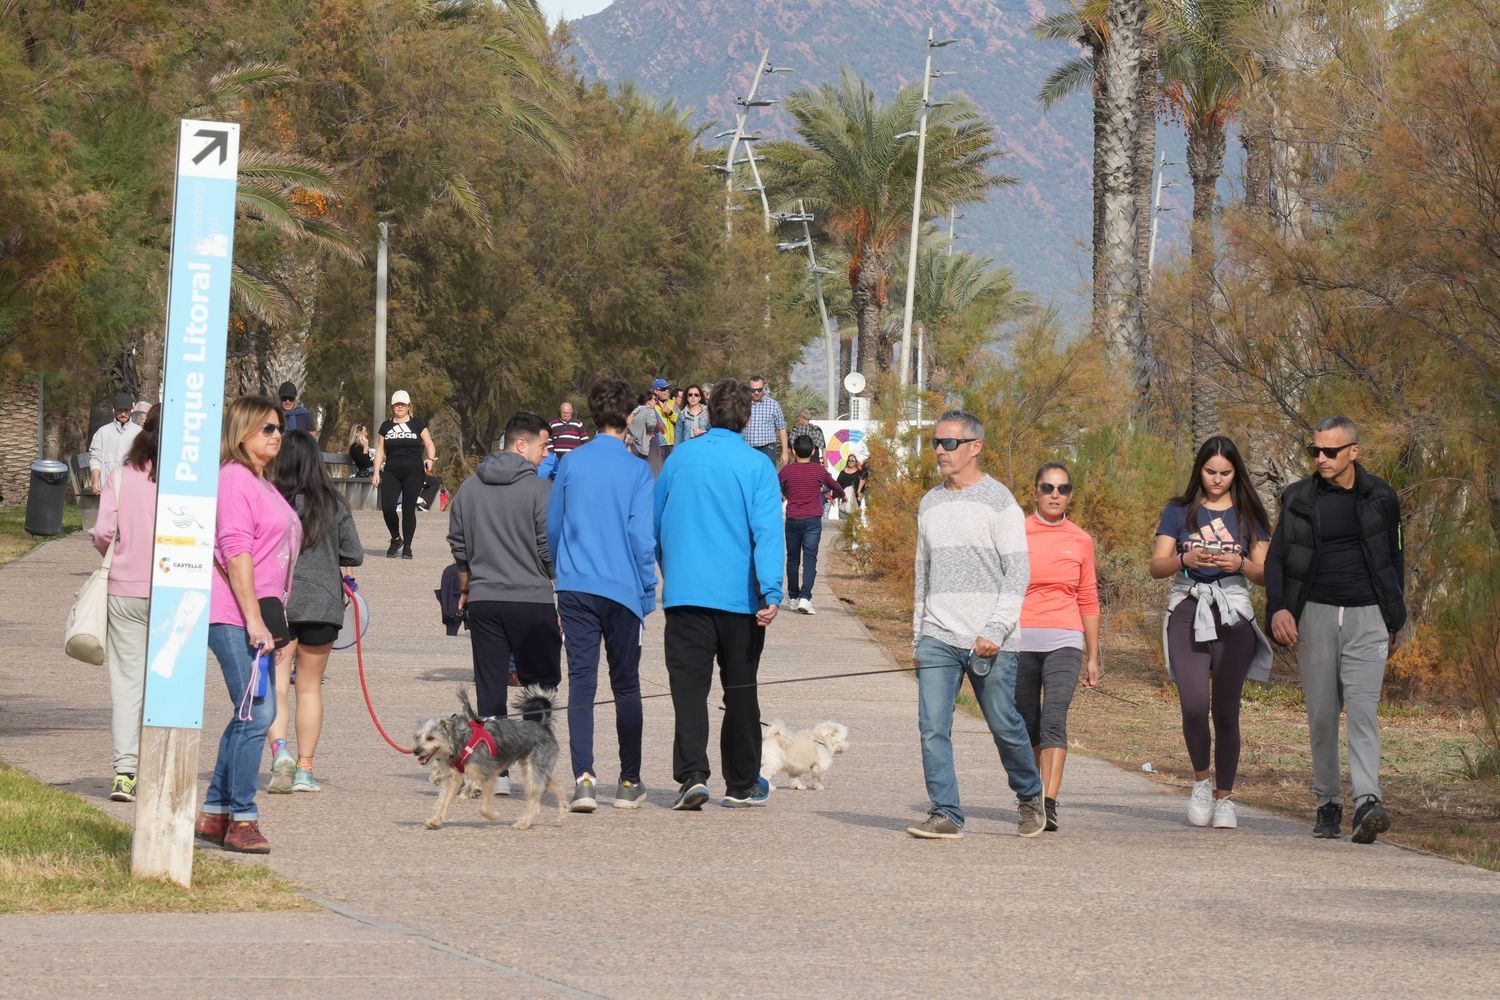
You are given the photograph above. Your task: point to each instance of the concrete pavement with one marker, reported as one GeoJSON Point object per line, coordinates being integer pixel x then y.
{"type": "Point", "coordinates": [820, 892]}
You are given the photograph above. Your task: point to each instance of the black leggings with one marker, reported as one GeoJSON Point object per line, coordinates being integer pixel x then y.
{"type": "Point", "coordinates": [402, 480]}
{"type": "Point", "coordinates": [1227, 660]}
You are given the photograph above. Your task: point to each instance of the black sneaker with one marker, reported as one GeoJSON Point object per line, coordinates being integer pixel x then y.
{"type": "Point", "coordinates": [394, 550]}
{"type": "Point", "coordinates": [1330, 815]}
{"type": "Point", "coordinates": [1050, 805]}
{"type": "Point", "coordinates": [406, 552]}
{"type": "Point", "coordinates": [691, 796]}
{"type": "Point", "coordinates": [1370, 819]}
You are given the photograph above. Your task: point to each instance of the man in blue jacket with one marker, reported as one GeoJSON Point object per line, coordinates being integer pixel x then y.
{"type": "Point", "coordinates": [600, 533]}
{"type": "Point", "coordinates": [719, 540]}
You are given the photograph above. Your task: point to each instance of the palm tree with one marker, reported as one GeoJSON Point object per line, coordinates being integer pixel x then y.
{"type": "Point", "coordinates": [1120, 77]}
{"type": "Point", "coordinates": [1083, 24]}
{"type": "Point", "coordinates": [855, 172]}
{"type": "Point", "coordinates": [1205, 78]}
{"type": "Point", "coordinates": [960, 299]}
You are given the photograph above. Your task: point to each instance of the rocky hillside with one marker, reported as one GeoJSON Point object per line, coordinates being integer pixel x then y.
{"type": "Point", "coordinates": [703, 53]}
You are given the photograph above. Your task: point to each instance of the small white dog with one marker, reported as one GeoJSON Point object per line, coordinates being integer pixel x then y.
{"type": "Point", "coordinates": [810, 753]}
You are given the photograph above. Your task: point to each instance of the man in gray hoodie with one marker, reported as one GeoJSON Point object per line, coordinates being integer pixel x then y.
{"type": "Point", "coordinates": [497, 529]}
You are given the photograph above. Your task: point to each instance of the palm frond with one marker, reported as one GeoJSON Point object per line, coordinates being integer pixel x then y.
{"type": "Point", "coordinates": [288, 171]}
{"type": "Point", "coordinates": [261, 295]}
{"type": "Point", "coordinates": [458, 191]}
{"type": "Point", "coordinates": [1072, 77]}
{"type": "Point", "coordinates": [240, 82]}
{"type": "Point", "coordinates": [1061, 26]}
{"type": "Point", "coordinates": [536, 123]}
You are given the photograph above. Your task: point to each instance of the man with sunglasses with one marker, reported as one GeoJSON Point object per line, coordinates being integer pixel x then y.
{"type": "Point", "coordinates": [1335, 585]}
{"type": "Point", "coordinates": [971, 576]}
{"type": "Point", "coordinates": [766, 431]}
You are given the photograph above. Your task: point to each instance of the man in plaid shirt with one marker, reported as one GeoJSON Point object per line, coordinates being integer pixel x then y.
{"type": "Point", "coordinates": [766, 431]}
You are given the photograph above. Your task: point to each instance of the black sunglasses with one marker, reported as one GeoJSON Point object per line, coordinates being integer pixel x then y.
{"type": "Point", "coordinates": [267, 430]}
{"type": "Point", "coordinates": [1046, 489]}
{"type": "Point", "coordinates": [1313, 451]}
{"type": "Point", "coordinates": [950, 444]}
{"type": "Point", "coordinates": [288, 399]}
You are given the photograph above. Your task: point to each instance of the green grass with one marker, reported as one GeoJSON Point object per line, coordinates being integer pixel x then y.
{"type": "Point", "coordinates": [15, 542]}
{"type": "Point", "coordinates": [58, 854]}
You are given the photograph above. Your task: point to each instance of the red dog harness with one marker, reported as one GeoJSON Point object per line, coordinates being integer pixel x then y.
{"type": "Point", "coordinates": [478, 737]}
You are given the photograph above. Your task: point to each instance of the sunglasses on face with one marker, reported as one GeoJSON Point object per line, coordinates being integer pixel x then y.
{"type": "Point", "coordinates": [694, 395]}
{"type": "Point", "coordinates": [267, 430]}
{"type": "Point", "coordinates": [950, 444]}
{"type": "Point", "coordinates": [757, 389]}
{"type": "Point", "coordinates": [1063, 490]}
{"type": "Point", "coordinates": [1313, 451]}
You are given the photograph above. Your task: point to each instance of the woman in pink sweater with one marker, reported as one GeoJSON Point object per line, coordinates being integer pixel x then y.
{"type": "Point", "coordinates": [127, 517]}
{"type": "Point", "coordinates": [1059, 626]}
{"type": "Point", "coordinates": [256, 540]}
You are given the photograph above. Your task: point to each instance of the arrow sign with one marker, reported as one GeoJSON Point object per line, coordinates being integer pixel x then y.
{"type": "Point", "coordinates": [217, 139]}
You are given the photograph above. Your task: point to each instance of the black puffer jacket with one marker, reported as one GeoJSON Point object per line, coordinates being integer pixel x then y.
{"type": "Point", "coordinates": [1291, 563]}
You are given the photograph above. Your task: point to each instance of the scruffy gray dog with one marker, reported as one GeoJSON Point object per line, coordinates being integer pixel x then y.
{"type": "Point", "coordinates": [466, 746]}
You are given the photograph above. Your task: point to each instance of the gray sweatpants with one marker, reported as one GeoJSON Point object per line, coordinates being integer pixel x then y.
{"type": "Point", "coordinates": [1341, 656]}
{"type": "Point", "coordinates": [125, 653]}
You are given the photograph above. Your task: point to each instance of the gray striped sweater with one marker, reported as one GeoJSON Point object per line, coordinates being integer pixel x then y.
{"type": "Point", "coordinates": [972, 568]}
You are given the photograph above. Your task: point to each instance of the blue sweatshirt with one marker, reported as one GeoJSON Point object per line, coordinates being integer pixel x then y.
{"type": "Point", "coordinates": [599, 525]}
{"type": "Point", "coordinates": [718, 525]}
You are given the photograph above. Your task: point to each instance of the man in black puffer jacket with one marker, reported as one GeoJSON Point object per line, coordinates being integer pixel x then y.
{"type": "Point", "coordinates": [1335, 588]}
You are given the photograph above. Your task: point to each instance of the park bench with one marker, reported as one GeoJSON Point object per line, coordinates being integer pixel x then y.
{"type": "Point", "coordinates": [359, 493]}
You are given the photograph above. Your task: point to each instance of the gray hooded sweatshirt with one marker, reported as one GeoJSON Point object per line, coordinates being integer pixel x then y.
{"type": "Point", "coordinates": [497, 529]}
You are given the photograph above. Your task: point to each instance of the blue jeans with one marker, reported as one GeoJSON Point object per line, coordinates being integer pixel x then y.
{"type": "Point", "coordinates": [588, 622]}
{"type": "Point", "coordinates": [236, 772]}
{"type": "Point", "coordinates": [802, 537]}
{"type": "Point", "coordinates": [940, 673]}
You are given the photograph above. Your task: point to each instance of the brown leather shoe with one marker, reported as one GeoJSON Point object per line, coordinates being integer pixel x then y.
{"type": "Point", "coordinates": [245, 837]}
{"type": "Point", "coordinates": [211, 827]}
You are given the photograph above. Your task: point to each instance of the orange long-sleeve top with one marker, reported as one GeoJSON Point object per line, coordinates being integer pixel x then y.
{"type": "Point", "coordinates": [1064, 583]}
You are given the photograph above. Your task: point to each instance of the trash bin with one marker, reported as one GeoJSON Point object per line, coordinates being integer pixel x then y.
{"type": "Point", "coordinates": [44, 504]}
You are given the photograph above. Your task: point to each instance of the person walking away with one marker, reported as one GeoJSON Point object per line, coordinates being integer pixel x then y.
{"type": "Point", "coordinates": [497, 531]}
{"type": "Point", "coordinates": [692, 419]}
{"type": "Point", "coordinates": [111, 443]}
{"type": "Point", "coordinates": [802, 484]}
{"type": "Point", "coordinates": [600, 532]}
{"type": "Point", "coordinates": [971, 576]}
{"type": "Point", "coordinates": [314, 609]}
{"type": "Point", "coordinates": [717, 514]}
{"type": "Point", "coordinates": [1336, 589]}
{"type": "Point", "coordinates": [807, 429]}
{"type": "Point", "coordinates": [404, 455]}
{"type": "Point", "coordinates": [127, 517]}
{"type": "Point", "coordinates": [257, 538]}
{"type": "Point", "coordinates": [567, 431]}
{"type": "Point", "coordinates": [359, 452]}
{"type": "Point", "coordinates": [765, 431]}
{"type": "Point", "coordinates": [1211, 541]}
{"type": "Point", "coordinates": [294, 416]}
{"type": "Point", "coordinates": [1059, 626]}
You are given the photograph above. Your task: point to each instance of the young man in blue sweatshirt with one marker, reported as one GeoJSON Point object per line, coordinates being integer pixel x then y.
{"type": "Point", "coordinates": [599, 529]}
{"type": "Point", "coordinates": [720, 543]}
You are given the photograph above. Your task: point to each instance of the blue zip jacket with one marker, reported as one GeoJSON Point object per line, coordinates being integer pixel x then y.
{"type": "Point", "coordinates": [599, 525]}
{"type": "Point", "coordinates": [718, 526]}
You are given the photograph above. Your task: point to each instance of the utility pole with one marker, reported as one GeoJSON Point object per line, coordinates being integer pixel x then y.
{"type": "Point", "coordinates": [1161, 171]}
{"type": "Point", "coordinates": [747, 102]}
{"type": "Point", "coordinates": [916, 211]}
{"type": "Point", "coordinates": [381, 273]}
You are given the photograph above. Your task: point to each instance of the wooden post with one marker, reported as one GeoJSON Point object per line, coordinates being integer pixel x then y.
{"type": "Point", "coordinates": [166, 800]}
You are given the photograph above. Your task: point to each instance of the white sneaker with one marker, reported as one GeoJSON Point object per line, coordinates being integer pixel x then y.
{"type": "Point", "coordinates": [1224, 818]}
{"type": "Point", "coordinates": [1201, 805]}
{"type": "Point", "coordinates": [806, 608]}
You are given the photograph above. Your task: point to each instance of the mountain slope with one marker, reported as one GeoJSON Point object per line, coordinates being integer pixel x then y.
{"type": "Point", "coordinates": [703, 53]}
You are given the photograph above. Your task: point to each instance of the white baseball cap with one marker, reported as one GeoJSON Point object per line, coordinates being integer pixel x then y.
{"type": "Point", "coordinates": [400, 396]}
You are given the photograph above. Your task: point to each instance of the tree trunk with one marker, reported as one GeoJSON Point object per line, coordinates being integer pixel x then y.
{"type": "Point", "coordinates": [867, 317]}
{"type": "Point", "coordinates": [1205, 162]}
{"type": "Point", "coordinates": [1120, 71]}
{"type": "Point", "coordinates": [1096, 325]}
{"type": "Point", "coordinates": [1145, 165]}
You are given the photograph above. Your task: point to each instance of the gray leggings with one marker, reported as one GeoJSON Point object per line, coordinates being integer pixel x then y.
{"type": "Point", "coordinates": [1045, 683]}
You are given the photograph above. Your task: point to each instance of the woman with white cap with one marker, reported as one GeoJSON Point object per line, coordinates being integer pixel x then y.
{"type": "Point", "coordinates": [404, 455]}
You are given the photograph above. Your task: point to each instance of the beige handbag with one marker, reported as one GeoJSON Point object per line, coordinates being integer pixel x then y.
{"type": "Point", "coordinates": [88, 621]}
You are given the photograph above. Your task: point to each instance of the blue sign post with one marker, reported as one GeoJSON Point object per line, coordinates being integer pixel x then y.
{"type": "Point", "coordinates": [187, 497]}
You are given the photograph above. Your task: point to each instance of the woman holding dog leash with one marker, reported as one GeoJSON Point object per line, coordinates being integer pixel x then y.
{"type": "Point", "coordinates": [315, 607]}
{"type": "Point", "coordinates": [1212, 541]}
{"type": "Point", "coordinates": [256, 540]}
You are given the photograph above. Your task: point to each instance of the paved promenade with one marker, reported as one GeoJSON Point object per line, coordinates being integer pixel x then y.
{"type": "Point", "coordinates": [820, 893]}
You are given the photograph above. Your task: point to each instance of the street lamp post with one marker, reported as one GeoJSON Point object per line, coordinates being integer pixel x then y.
{"type": "Point", "coordinates": [830, 342]}
{"type": "Point", "coordinates": [381, 272]}
{"type": "Point", "coordinates": [747, 102]}
{"type": "Point", "coordinates": [916, 210]}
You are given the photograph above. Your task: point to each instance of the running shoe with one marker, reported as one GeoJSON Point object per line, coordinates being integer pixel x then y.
{"type": "Point", "coordinates": [691, 796]}
{"type": "Point", "coordinates": [582, 799]}
{"type": "Point", "coordinates": [1033, 816]}
{"type": "Point", "coordinates": [1330, 816]}
{"type": "Point", "coordinates": [630, 795]}
{"type": "Point", "coordinates": [936, 827]}
{"type": "Point", "coordinates": [1370, 820]}
{"type": "Point", "coordinates": [283, 769]}
{"type": "Point", "coordinates": [1224, 817]}
{"type": "Point", "coordinates": [1201, 804]}
{"type": "Point", "coordinates": [123, 789]}
{"type": "Point", "coordinates": [303, 781]}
